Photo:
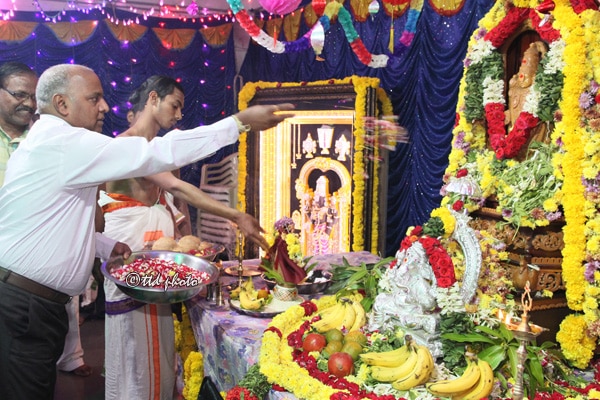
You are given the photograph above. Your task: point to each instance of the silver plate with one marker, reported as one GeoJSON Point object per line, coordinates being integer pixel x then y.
{"type": "Point", "coordinates": [270, 310]}
{"type": "Point", "coordinates": [158, 295]}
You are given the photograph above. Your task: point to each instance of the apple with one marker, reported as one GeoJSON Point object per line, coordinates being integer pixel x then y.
{"type": "Point", "coordinates": [340, 364]}
{"type": "Point", "coordinates": [314, 342]}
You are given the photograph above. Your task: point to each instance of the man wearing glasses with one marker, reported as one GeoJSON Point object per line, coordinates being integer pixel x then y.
{"type": "Point", "coordinates": [17, 108]}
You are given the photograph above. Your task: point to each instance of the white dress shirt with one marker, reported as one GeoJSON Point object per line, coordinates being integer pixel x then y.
{"type": "Point", "coordinates": [48, 200]}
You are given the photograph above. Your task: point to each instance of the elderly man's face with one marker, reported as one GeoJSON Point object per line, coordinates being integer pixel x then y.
{"type": "Point", "coordinates": [85, 100]}
{"type": "Point", "coordinates": [17, 101]}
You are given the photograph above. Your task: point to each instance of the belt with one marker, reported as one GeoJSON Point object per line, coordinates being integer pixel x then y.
{"type": "Point", "coordinates": [14, 279]}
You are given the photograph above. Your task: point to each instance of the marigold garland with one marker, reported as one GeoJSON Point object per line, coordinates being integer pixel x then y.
{"type": "Point", "coordinates": [361, 85]}
{"type": "Point", "coordinates": [296, 371]}
{"type": "Point", "coordinates": [580, 31]}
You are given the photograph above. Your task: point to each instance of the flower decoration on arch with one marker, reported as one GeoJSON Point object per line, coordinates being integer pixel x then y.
{"type": "Point", "coordinates": [485, 84]}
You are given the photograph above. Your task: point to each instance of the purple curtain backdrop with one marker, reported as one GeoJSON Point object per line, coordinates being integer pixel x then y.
{"type": "Point", "coordinates": [422, 81]}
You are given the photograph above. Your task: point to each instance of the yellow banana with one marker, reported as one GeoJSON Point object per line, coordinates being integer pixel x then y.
{"type": "Point", "coordinates": [392, 358]}
{"type": "Point", "coordinates": [391, 374]}
{"type": "Point", "coordinates": [235, 293]}
{"type": "Point", "coordinates": [332, 320]}
{"type": "Point", "coordinates": [329, 311]}
{"type": "Point", "coordinates": [452, 387]}
{"type": "Point", "coordinates": [420, 373]}
{"type": "Point", "coordinates": [361, 316]}
{"type": "Point", "coordinates": [249, 303]}
{"type": "Point", "coordinates": [248, 285]}
{"type": "Point", "coordinates": [349, 316]}
{"type": "Point", "coordinates": [484, 386]}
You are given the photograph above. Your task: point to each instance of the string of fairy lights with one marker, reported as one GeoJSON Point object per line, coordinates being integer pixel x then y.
{"type": "Point", "coordinates": [186, 10]}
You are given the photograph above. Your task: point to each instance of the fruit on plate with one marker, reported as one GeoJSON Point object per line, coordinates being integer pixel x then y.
{"type": "Point", "coordinates": [347, 314]}
{"type": "Point", "coordinates": [314, 342]}
{"type": "Point", "coordinates": [352, 348]}
{"type": "Point", "coordinates": [334, 335]}
{"type": "Point", "coordinates": [420, 373]}
{"type": "Point", "coordinates": [249, 296]}
{"type": "Point", "coordinates": [340, 364]}
{"type": "Point", "coordinates": [332, 347]}
{"type": "Point", "coordinates": [391, 358]}
{"type": "Point", "coordinates": [475, 382]}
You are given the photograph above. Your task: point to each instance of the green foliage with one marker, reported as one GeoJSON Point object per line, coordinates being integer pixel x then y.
{"type": "Point", "coordinates": [364, 277]}
{"type": "Point", "coordinates": [457, 323]}
{"type": "Point", "coordinates": [493, 67]}
{"type": "Point", "coordinates": [499, 347]}
{"type": "Point", "coordinates": [550, 88]}
{"type": "Point", "coordinates": [434, 227]}
{"type": "Point", "coordinates": [256, 382]}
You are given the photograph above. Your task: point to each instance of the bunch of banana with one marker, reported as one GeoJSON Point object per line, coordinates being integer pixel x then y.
{"type": "Point", "coordinates": [420, 372]}
{"type": "Point", "coordinates": [360, 319]}
{"type": "Point", "coordinates": [391, 358]}
{"type": "Point", "coordinates": [475, 383]}
{"type": "Point", "coordinates": [342, 314]}
{"type": "Point", "coordinates": [249, 296]}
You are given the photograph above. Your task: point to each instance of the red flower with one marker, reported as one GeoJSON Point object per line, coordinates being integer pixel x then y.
{"type": "Point", "coordinates": [458, 205]}
{"type": "Point", "coordinates": [507, 26]}
{"type": "Point", "coordinates": [237, 392]}
{"type": "Point", "coordinates": [462, 172]}
{"type": "Point", "coordinates": [597, 98]}
{"type": "Point", "coordinates": [417, 231]}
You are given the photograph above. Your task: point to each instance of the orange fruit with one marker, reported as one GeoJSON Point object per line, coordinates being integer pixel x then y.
{"type": "Point", "coordinates": [332, 347]}
{"type": "Point", "coordinates": [262, 294]}
{"type": "Point", "coordinates": [352, 348]}
{"type": "Point", "coordinates": [334, 335]}
{"type": "Point", "coordinates": [356, 336]}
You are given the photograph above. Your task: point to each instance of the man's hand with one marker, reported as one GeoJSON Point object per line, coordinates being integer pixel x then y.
{"type": "Point", "coordinates": [263, 117]}
{"type": "Point", "coordinates": [121, 249]}
{"type": "Point", "coordinates": [251, 229]}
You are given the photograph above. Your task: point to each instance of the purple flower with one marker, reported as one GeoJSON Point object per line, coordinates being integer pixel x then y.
{"type": "Point", "coordinates": [506, 213]}
{"type": "Point", "coordinates": [586, 100]}
{"type": "Point", "coordinates": [285, 224]}
{"type": "Point", "coordinates": [481, 32]}
{"type": "Point", "coordinates": [590, 268]}
{"type": "Point", "coordinates": [553, 216]}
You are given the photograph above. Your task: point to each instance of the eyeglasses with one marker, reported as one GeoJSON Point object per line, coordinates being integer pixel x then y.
{"type": "Point", "coordinates": [20, 96]}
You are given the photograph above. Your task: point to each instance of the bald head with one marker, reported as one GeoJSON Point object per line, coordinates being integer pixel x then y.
{"type": "Point", "coordinates": [74, 93]}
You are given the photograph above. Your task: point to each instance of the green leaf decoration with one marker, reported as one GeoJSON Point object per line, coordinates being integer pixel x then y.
{"type": "Point", "coordinates": [494, 355]}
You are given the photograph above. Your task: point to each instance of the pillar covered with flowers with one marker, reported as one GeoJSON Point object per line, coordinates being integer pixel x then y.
{"type": "Point", "coordinates": [533, 184]}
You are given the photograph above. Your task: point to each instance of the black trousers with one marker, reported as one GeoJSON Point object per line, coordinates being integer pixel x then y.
{"type": "Point", "coordinates": [32, 338]}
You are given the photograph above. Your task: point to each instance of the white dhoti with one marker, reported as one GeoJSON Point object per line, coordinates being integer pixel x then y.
{"type": "Point", "coordinates": [140, 339]}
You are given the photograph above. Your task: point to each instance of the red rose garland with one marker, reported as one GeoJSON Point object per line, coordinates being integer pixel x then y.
{"type": "Point", "coordinates": [508, 146]}
{"type": "Point", "coordinates": [439, 259]}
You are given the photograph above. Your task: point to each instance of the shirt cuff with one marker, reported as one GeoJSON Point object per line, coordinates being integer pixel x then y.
{"type": "Point", "coordinates": [104, 246]}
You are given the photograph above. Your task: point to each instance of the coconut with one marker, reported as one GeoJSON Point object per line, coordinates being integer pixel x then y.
{"type": "Point", "coordinates": [164, 243]}
{"type": "Point", "coordinates": [188, 243]}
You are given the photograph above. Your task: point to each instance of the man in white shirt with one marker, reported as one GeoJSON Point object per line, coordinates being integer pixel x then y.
{"type": "Point", "coordinates": [17, 109]}
{"type": "Point", "coordinates": [47, 208]}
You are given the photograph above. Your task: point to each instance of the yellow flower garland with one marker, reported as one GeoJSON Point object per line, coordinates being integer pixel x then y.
{"type": "Point", "coordinates": [276, 361]}
{"type": "Point", "coordinates": [361, 84]}
{"type": "Point", "coordinates": [581, 34]}
{"type": "Point", "coordinates": [577, 346]}
{"type": "Point", "coordinates": [186, 346]}
{"type": "Point", "coordinates": [193, 375]}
